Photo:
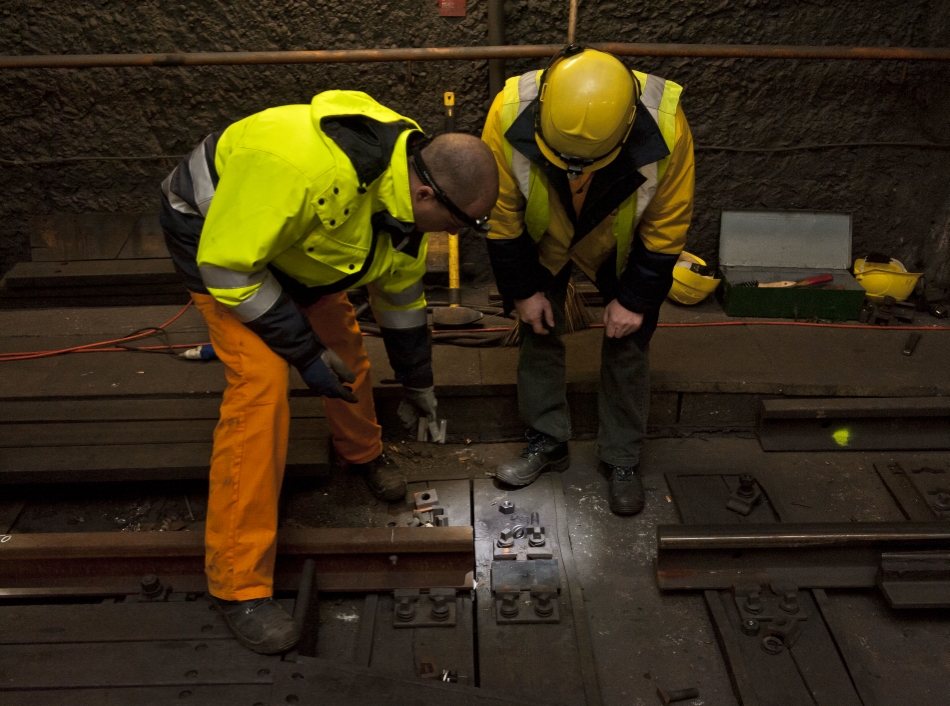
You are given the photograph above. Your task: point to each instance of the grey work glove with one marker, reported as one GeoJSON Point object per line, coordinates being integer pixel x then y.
{"type": "Point", "coordinates": [327, 374]}
{"type": "Point", "coordinates": [417, 402]}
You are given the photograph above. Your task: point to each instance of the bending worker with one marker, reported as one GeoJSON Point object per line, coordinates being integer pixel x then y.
{"type": "Point", "coordinates": [596, 170]}
{"type": "Point", "coordinates": [269, 223]}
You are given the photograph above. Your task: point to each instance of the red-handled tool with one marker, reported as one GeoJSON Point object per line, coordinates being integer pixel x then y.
{"type": "Point", "coordinates": [788, 283]}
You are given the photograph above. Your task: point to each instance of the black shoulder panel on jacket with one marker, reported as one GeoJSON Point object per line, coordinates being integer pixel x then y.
{"type": "Point", "coordinates": [366, 142]}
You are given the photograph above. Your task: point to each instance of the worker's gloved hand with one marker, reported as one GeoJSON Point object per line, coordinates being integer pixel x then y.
{"type": "Point", "coordinates": [326, 376]}
{"type": "Point", "coordinates": [417, 402]}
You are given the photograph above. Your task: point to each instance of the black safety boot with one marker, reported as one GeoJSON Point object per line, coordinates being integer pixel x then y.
{"type": "Point", "coordinates": [541, 454]}
{"type": "Point", "coordinates": [259, 624]}
{"type": "Point", "coordinates": [626, 489]}
{"type": "Point", "coordinates": [383, 477]}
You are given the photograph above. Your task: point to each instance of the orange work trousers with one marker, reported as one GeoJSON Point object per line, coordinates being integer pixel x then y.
{"type": "Point", "coordinates": [250, 440]}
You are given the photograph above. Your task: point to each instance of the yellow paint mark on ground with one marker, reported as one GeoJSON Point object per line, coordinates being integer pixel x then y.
{"type": "Point", "coordinates": [842, 437]}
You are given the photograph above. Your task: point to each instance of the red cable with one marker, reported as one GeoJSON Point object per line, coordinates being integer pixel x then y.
{"type": "Point", "coordinates": [86, 348]}
{"type": "Point", "coordinates": [98, 347]}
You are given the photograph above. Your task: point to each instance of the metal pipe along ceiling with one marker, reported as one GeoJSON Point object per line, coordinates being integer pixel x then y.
{"type": "Point", "coordinates": [346, 56]}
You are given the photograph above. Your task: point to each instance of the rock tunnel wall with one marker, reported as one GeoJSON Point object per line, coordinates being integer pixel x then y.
{"type": "Point", "coordinates": [900, 197]}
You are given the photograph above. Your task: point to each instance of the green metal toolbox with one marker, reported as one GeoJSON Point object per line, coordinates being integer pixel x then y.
{"type": "Point", "coordinates": [767, 246]}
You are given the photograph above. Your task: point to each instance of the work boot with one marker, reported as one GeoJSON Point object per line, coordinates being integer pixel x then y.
{"type": "Point", "coordinates": [541, 454]}
{"type": "Point", "coordinates": [383, 477]}
{"type": "Point", "coordinates": [626, 489]}
{"type": "Point", "coordinates": [259, 624]}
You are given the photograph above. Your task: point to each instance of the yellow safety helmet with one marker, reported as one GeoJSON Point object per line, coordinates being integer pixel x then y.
{"type": "Point", "coordinates": [881, 279]}
{"type": "Point", "coordinates": [587, 104]}
{"type": "Point", "coordinates": [690, 282]}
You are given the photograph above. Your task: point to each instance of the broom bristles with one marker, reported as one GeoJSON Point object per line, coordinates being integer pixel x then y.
{"type": "Point", "coordinates": [577, 317]}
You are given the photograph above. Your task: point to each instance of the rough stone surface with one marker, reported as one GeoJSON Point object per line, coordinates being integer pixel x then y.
{"type": "Point", "coordinates": [900, 197]}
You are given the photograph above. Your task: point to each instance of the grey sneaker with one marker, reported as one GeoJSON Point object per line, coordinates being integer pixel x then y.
{"type": "Point", "coordinates": [541, 454]}
{"type": "Point", "coordinates": [383, 477]}
{"type": "Point", "coordinates": [625, 494]}
{"type": "Point", "coordinates": [259, 624]}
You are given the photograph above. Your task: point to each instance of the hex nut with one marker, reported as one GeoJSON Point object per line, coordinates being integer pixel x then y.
{"type": "Point", "coordinates": [506, 507]}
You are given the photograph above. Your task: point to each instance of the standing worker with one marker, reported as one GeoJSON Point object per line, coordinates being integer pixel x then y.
{"type": "Point", "coordinates": [596, 169]}
{"type": "Point", "coordinates": [269, 223]}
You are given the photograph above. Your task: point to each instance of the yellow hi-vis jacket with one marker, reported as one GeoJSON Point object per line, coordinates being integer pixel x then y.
{"type": "Point", "coordinates": [296, 202]}
{"type": "Point", "coordinates": [633, 222]}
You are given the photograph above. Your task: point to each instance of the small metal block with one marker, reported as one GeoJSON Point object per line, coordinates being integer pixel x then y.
{"type": "Point", "coordinates": [750, 626]}
{"type": "Point", "coordinates": [506, 507]}
{"type": "Point", "coordinates": [425, 499]}
{"type": "Point", "coordinates": [772, 644]}
{"type": "Point", "coordinates": [442, 521]}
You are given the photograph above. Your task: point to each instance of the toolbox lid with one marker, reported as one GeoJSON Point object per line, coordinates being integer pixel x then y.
{"type": "Point", "coordinates": [806, 239]}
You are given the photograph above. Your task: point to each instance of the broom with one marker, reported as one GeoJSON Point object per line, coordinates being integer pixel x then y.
{"type": "Point", "coordinates": [577, 317]}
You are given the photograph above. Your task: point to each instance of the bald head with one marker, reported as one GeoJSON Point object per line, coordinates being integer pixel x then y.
{"type": "Point", "coordinates": [464, 168]}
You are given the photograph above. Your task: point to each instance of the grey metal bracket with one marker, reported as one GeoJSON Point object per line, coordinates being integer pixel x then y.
{"type": "Point", "coordinates": [526, 591]}
{"type": "Point", "coordinates": [414, 609]}
{"type": "Point", "coordinates": [773, 613]}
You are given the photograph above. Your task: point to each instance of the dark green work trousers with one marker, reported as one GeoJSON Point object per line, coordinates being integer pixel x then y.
{"type": "Point", "coordinates": [623, 396]}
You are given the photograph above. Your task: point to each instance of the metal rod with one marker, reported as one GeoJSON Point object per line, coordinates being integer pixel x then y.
{"type": "Point", "coordinates": [496, 38]}
{"type": "Point", "coordinates": [339, 56]}
{"type": "Point", "coordinates": [572, 22]}
{"type": "Point", "coordinates": [787, 536]}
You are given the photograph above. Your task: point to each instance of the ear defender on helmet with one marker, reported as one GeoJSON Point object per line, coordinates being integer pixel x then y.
{"type": "Point", "coordinates": [587, 102]}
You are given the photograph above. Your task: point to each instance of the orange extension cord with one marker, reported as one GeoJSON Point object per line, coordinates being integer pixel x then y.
{"type": "Point", "coordinates": [109, 347]}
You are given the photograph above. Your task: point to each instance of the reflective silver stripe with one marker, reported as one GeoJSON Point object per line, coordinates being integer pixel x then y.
{"type": "Point", "coordinates": [410, 318]}
{"type": "Point", "coordinates": [223, 278]}
{"type": "Point", "coordinates": [651, 99]}
{"type": "Point", "coordinates": [201, 178]}
{"type": "Point", "coordinates": [527, 89]}
{"type": "Point", "coordinates": [260, 302]}
{"type": "Point", "coordinates": [174, 200]}
{"type": "Point", "coordinates": [404, 298]}
{"type": "Point", "coordinates": [647, 189]}
{"type": "Point", "coordinates": [521, 165]}
{"type": "Point", "coordinates": [521, 170]}
{"type": "Point", "coordinates": [653, 92]}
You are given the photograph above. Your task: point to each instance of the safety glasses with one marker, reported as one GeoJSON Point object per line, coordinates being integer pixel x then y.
{"type": "Point", "coordinates": [425, 176]}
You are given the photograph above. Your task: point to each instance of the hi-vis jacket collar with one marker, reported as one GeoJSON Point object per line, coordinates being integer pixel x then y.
{"type": "Point", "coordinates": [611, 185]}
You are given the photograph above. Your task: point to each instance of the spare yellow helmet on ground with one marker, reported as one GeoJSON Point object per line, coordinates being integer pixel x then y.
{"type": "Point", "coordinates": [690, 287]}
{"type": "Point", "coordinates": [588, 101]}
{"type": "Point", "coordinates": [881, 279]}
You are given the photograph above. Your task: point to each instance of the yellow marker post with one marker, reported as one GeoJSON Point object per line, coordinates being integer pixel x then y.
{"type": "Point", "coordinates": [455, 287]}
{"type": "Point", "coordinates": [448, 100]}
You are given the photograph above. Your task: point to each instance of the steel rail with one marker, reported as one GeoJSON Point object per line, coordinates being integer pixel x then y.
{"type": "Point", "coordinates": [839, 555]}
{"type": "Point", "coordinates": [790, 536]}
{"type": "Point", "coordinates": [476, 53]}
{"type": "Point", "coordinates": [359, 559]}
